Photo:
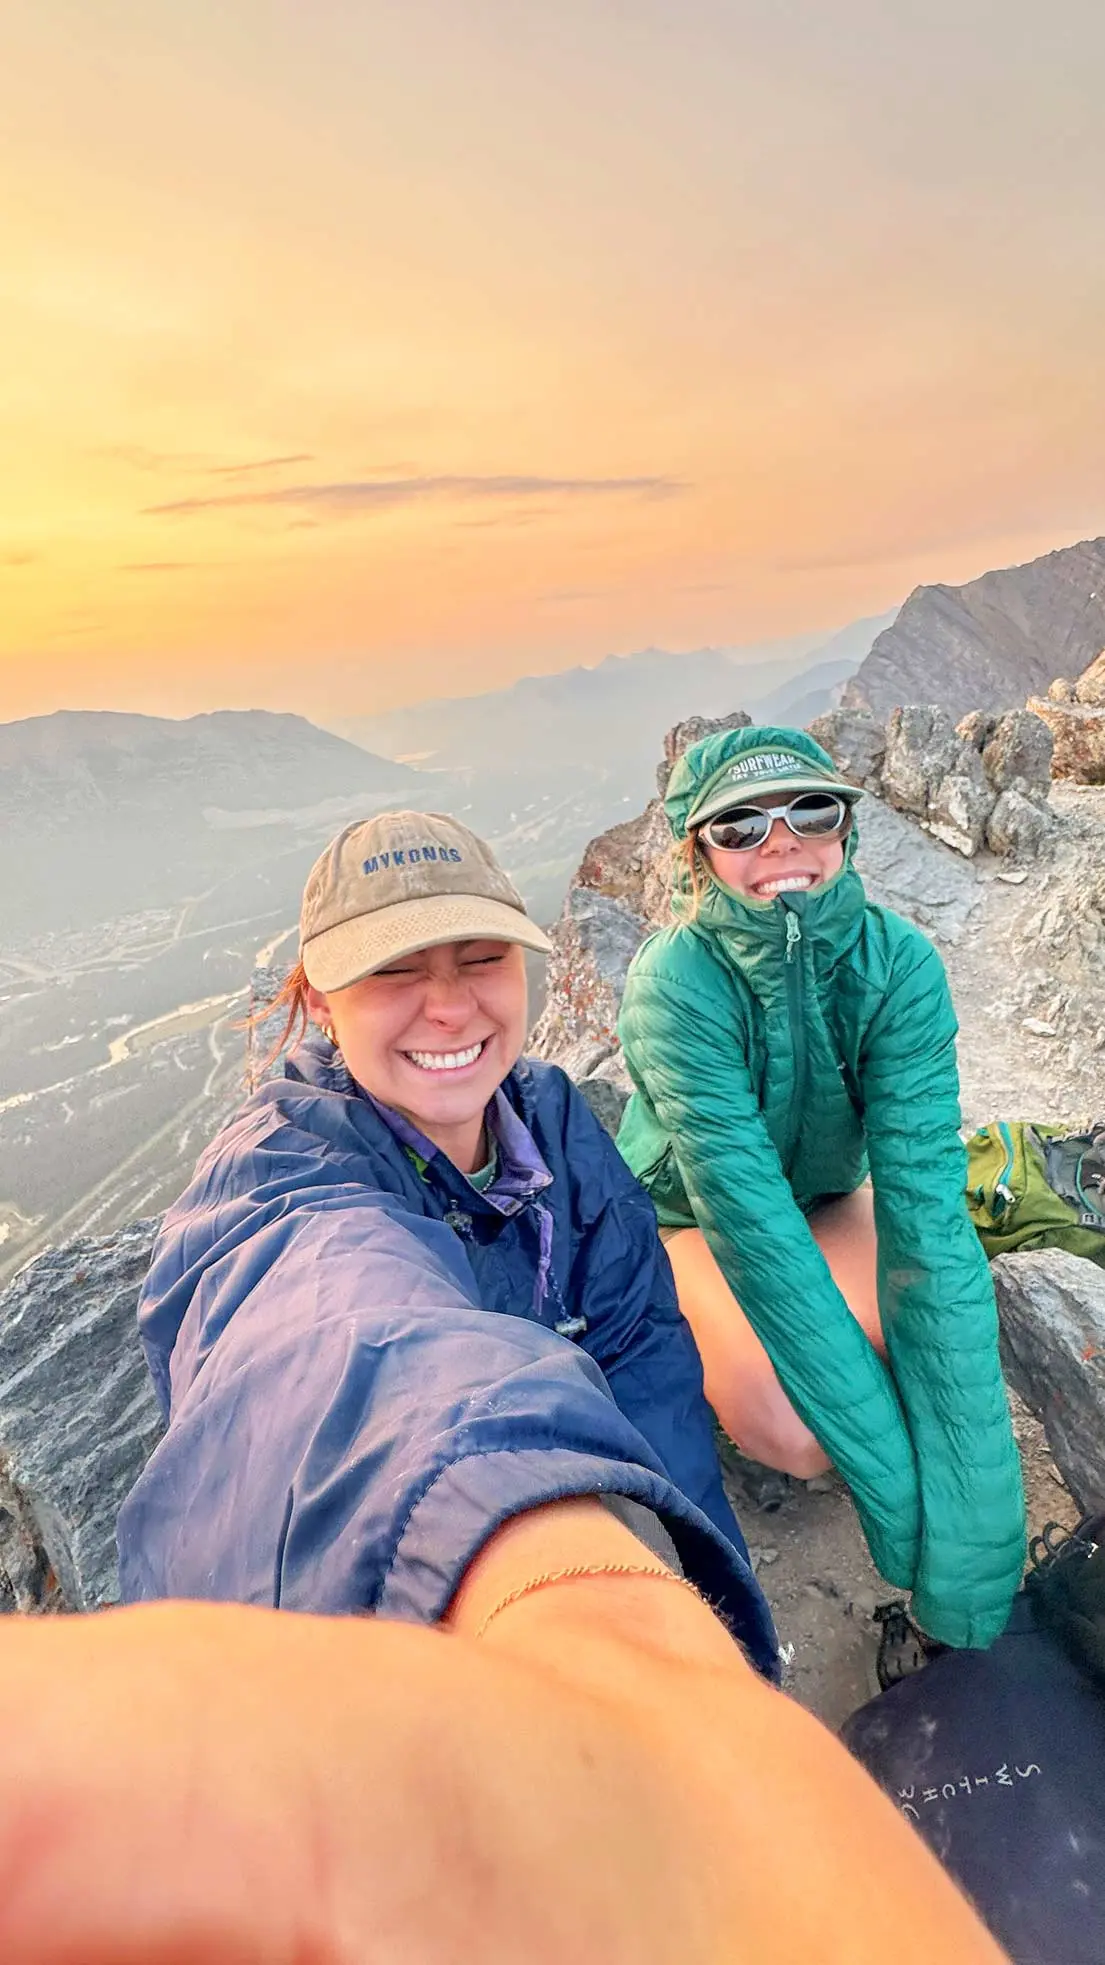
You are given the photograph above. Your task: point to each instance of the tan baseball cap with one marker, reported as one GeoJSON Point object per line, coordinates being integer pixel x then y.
{"type": "Point", "coordinates": [400, 882]}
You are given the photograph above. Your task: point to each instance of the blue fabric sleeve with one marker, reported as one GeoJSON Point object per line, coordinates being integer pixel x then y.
{"type": "Point", "coordinates": [348, 1426]}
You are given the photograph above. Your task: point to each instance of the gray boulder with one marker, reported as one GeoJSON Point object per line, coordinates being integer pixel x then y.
{"type": "Point", "coordinates": [952, 778]}
{"type": "Point", "coordinates": [583, 1057]}
{"type": "Point", "coordinates": [1018, 827]}
{"type": "Point", "coordinates": [78, 1418]}
{"type": "Point", "coordinates": [1018, 756]}
{"type": "Point", "coordinates": [960, 804]}
{"type": "Point", "coordinates": [922, 749]}
{"type": "Point", "coordinates": [1051, 1308]}
{"type": "Point", "coordinates": [856, 742]}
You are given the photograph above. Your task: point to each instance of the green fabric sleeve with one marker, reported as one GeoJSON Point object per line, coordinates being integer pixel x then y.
{"type": "Point", "coordinates": [937, 1306]}
{"type": "Point", "coordinates": [688, 1061]}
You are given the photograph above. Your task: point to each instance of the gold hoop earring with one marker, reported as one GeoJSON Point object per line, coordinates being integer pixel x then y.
{"type": "Point", "coordinates": [328, 1031]}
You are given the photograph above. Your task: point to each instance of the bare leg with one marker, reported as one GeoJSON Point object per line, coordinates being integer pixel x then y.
{"type": "Point", "coordinates": [741, 1384]}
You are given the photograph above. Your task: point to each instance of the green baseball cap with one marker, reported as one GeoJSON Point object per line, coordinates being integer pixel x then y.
{"type": "Point", "coordinates": [759, 774]}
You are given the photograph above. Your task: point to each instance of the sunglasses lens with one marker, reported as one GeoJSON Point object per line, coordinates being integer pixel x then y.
{"type": "Point", "coordinates": [816, 815]}
{"type": "Point", "coordinates": [736, 831]}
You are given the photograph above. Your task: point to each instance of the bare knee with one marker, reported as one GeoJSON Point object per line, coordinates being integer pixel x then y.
{"type": "Point", "coordinates": [805, 1458]}
{"type": "Point", "coordinates": [769, 1430]}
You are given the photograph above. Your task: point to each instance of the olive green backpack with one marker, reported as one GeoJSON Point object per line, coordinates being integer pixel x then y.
{"type": "Point", "coordinates": [1037, 1187]}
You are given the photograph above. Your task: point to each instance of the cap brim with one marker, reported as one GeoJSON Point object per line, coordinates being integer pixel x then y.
{"type": "Point", "coordinates": [352, 949]}
{"type": "Point", "coordinates": [727, 798]}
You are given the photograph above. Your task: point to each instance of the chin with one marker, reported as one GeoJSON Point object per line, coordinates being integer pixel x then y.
{"type": "Point", "coordinates": [455, 1103]}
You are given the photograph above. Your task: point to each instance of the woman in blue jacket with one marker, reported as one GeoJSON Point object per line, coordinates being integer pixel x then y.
{"type": "Point", "coordinates": [412, 1290]}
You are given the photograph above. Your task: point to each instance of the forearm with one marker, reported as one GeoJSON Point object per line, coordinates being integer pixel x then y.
{"type": "Point", "coordinates": [516, 1596]}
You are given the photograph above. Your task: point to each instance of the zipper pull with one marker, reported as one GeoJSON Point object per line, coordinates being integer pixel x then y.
{"type": "Point", "coordinates": [794, 935]}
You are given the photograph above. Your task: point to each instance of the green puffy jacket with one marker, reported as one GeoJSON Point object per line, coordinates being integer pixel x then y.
{"type": "Point", "coordinates": [780, 1050]}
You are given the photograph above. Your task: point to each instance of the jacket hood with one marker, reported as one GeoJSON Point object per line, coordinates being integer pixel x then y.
{"type": "Point", "coordinates": [706, 760]}
{"type": "Point", "coordinates": [757, 930]}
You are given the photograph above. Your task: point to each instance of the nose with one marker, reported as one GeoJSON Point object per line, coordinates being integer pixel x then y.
{"type": "Point", "coordinates": [448, 1000]}
{"type": "Point", "coordinates": [780, 839]}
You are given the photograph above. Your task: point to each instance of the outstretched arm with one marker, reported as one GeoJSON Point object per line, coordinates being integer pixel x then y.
{"type": "Point", "coordinates": [597, 1780]}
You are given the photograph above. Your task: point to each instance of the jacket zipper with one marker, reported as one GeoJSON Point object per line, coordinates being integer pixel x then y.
{"type": "Point", "coordinates": [793, 972]}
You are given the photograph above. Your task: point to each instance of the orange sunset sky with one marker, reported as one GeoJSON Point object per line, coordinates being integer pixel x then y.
{"type": "Point", "coordinates": [352, 353]}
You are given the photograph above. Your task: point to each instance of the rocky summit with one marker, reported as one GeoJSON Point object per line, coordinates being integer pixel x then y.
{"type": "Point", "coordinates": [965, 831]}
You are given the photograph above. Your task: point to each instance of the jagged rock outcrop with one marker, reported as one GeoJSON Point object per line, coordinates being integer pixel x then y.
{"type": "Point", "coordinates": [594, 943]}
{"type": "Point", "coordinates": [78, 1418]}
{"type": "Point", "coordinates": [997, 640]}
{"type": "Point", "coordinates": [1074, 714]}
{"type": "Point", "coordinates": [856, 741]}
{"type": "Point", "coordinates": [682, 735]}
{"type": "Point", "coordinates": [983, 781]}
{"type": "Point", "coordinates": [1016, 753]}
{"type": "Point", "coordinates": [1052, 1311]}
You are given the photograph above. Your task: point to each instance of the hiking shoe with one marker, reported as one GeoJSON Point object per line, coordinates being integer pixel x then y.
{"type": "Point", "coordinates": [754, 1485]}
{"type": "Point", "coordinates": [903, 1647]}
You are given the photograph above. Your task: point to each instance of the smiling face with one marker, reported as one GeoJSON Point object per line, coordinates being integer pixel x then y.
{"type": "Point", "coordinates": [782, 865]}
{"type": "Point", "coordinates": [434, 1035]}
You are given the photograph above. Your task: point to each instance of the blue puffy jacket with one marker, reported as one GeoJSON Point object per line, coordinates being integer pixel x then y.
{"type": "Point", "coordinates": [367, 1366]}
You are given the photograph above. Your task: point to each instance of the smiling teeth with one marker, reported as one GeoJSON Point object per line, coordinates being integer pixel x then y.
{"type": "Point", "coordinates": [795, 883]}
{"type": "Point", "coordinates": [445, 1060]}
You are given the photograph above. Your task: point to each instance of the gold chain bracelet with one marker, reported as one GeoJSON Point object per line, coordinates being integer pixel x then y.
{"type": "Point", "coordinates": [579, 1571]}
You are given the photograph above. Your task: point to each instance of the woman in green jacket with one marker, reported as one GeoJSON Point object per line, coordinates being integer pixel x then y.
{"type": "Point", "coordinates": [796, 1122]}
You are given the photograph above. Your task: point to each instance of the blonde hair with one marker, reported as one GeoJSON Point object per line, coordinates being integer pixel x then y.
{"type": "Point", "coordinates": [689, 875]}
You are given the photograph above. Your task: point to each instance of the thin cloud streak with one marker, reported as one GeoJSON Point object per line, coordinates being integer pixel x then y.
{"type": "Point", "coordinates": [162, 566]}
{"type": "Point", "coordinates": [261, 464]}
{"type": "Point", "coordinates": [360, 495]}
{"type": "Point", "coordinates": [166, 463]}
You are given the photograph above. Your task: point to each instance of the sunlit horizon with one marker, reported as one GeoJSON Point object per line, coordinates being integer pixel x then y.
{"type": "Point", "coordinates": [368, 355]}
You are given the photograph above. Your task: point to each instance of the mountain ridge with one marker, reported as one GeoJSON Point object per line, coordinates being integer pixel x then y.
{"type": "Point", "coordinates": [536, 716]}
{"type": "Point", "coordinates": [992, 642]}
{"type": "Point", "coordinates": [54, 768]}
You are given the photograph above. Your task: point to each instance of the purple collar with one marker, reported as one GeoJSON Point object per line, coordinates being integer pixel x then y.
{"type": "Point", "coordinates": [522, 1171]}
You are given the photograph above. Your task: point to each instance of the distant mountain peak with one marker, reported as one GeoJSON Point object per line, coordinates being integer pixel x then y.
{"type": "Point", "coordinates": [54, 767]}
{"type": "Point", "coordinates": [993, 642]}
